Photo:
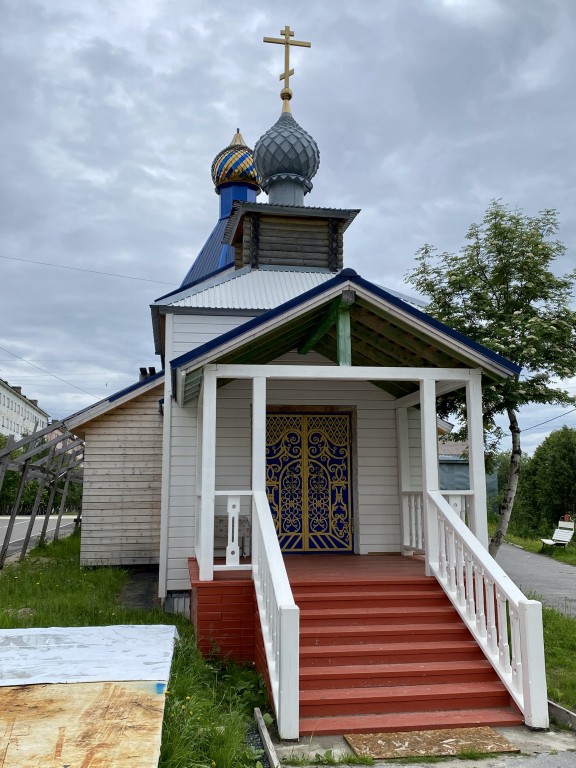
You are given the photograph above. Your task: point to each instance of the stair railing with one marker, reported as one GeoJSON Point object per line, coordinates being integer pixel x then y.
{"type": "Point", "coordinates": [504, 622]}
{"type": "Point", "coordinates": [279, 617]}
{"type": "Point", "coordinates": [413, 513]}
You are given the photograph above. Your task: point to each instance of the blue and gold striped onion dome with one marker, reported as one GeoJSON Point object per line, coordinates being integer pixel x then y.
{"type": "Point", "coordinates": [235, 163]}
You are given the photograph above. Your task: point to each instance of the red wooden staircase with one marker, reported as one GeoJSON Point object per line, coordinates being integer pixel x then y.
{"type": "Point", "coordinates": [382, 649]}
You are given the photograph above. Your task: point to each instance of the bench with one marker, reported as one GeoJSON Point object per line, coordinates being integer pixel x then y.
{"type": "Point", "coordinates": [561, 536]}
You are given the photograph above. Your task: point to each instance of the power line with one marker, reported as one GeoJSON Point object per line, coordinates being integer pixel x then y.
{"type": "Point", "coordinates": [92, 271]}
{"type": "Point", "coordinates": [69, 383]}
{"type": "Point", "coordinates": [549, 420]}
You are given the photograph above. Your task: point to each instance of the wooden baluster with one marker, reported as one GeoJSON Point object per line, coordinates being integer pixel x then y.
{"type": "Point", "coordinates": [503, 646]}
{"type": "Point", "coordinates": [491, 631]}
{"type": "Point", "coordinates": [480, 612]}
{"type": "Point", "coordinates": [233, 548]}
{"type": "Point", "coordinates": [451, 560]}
{"type": "Point", "coordinates": [470, 607]}
{"type": "Point", "coordinates": [516, 661]}
{"type": "Point", "coordinates": [441, 544]}
{"type": "Point", "coordinates": [460, 573]}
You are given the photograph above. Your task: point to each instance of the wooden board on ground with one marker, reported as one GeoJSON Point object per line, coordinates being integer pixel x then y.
{"type": "Point", "coordinates": [451, 741]}
{"type": "Point", "coordinates": [93, 725]}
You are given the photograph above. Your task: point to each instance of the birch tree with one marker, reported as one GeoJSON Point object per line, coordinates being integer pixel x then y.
{"type": "Point", "coordinates": [500, 290]}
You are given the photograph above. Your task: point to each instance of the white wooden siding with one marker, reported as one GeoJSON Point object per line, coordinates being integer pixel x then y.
{"type": "Point", "coordinates": [122, 478]}
{"type": "Point", "coordinates": [191, 331]}
{"type": "Point", "coordinates": [182, 497]}
{"type": "Point", "coordinates": [415, 449]}
{"type": "Point", "coordinates": [375, 459]}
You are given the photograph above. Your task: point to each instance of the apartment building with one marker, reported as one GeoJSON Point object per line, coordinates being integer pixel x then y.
{"type": "Point", "coordinates": [18, 415]}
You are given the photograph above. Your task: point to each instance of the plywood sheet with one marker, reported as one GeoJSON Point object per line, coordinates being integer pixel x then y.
{"type": "Point", "coordinates": [84, 725]}
{"type": "Point", "coordinates": [451, 741]}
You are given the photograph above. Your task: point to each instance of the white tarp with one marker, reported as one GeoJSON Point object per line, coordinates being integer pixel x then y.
{"type": "Point", "coordinates": [86, 654]}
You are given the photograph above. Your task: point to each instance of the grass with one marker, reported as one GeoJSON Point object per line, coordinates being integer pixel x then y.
{"type": "Point", "coordinates": [560, 651]}
{"type": "Point", "coordinates": [208, 704]}
{"type": "Point", "coordinates": [327, 758]}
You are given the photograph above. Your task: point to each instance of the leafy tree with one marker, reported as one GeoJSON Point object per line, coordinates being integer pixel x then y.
{"type": "Point", "coordinates": [548, 488]}
{"type": "Point", "coordinates": [500, 291]}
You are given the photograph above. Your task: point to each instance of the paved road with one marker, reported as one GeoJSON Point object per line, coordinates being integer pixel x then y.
{"type": "Point", "coordinates": [21, 526]}
{"type": "Point", "coordinates": [551, 582]}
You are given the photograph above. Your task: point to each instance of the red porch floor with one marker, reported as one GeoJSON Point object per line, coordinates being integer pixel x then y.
{"type": "Point", "coordinates": [351, 569]}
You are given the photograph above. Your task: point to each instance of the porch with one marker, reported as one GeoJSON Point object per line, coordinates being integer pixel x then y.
{"type": "Point", "coordinates": [481, 607]}
{"type": "Point", "coordinates": [381, 648]}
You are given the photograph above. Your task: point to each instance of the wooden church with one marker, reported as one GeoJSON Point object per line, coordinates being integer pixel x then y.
{"type": "Point", "coordinates": [282, 471]}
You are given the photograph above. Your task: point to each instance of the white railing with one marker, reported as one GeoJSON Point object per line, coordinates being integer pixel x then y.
{"type": "Point", "coordinates": [236, 527]}
{"type": "Point", "coordinates": [279, 617]}
{"type": "Point", "coordinates": [413, 516]}
{"type": "Point", "coordinates": [505, 624]}
{"type": "Point", "coordinates": [413, 513]}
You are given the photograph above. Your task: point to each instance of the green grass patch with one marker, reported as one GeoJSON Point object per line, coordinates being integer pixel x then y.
{"type": "Point", "coordinates": [560, 652]}
{"type": "Point", "coordinates": [209, 705]}
{"type": "Point", "coordinates": [327, 758]}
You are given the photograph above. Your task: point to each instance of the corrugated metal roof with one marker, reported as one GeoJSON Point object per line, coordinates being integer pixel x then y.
{"type": "Point", "coordinates": [214, 254]}
{"type": "Point", "coordinates": [254, 289]}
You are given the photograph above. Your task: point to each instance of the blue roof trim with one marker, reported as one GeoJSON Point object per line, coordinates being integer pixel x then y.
{"type": "Point", "coordinates": [194, 282]}
{"type": "Point", "coordinates": [429, 320]}
{"type": "Point", "coordinates": [344, 276]}
{"type": "Point", "coordinates": [134, 387]}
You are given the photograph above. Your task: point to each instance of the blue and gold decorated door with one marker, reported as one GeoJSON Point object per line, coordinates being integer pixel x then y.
{"type": "Point", "coordinates": [308, 481]}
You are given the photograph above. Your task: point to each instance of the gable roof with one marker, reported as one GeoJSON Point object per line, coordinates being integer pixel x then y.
{"type": "Point", "coordinates": [113, 401]}
{"type": "Point", "coordinates": [386, 331]}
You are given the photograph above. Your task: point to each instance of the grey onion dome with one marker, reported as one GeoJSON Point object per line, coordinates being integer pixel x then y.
{"type": "Point", "coordinates": [286, 153]}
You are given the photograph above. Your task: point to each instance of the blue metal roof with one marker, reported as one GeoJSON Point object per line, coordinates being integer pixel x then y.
{"type": "Point", "coordinates": [343, 277]}
{"type": "Point", "coordinates": [213, 256]}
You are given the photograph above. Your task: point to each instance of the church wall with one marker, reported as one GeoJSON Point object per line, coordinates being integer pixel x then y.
{"type": "Point", "coordinates": [191, 331]}
{"type": "Point", "coordinates": [415, 449]}
{"type": "Point", "coordinates": [122, 479]}
{"type": "Point", "coordinates": [182, 496]}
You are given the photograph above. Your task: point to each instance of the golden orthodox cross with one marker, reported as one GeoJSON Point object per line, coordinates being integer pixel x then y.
{"type": "Point", "coordinates": [287, 33]}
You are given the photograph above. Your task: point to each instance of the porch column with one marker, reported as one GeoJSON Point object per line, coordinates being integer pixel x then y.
{"type": "Point", "coordinates": [478, 514]}
{"type": "Point", "coordinates": [208, 479]}
{"type": "Point", "coordinates": [430, 480]}
{"type": "Point", "coordinates": [259, 434]}
{"type": "Point", "coordinates": [404, 472]}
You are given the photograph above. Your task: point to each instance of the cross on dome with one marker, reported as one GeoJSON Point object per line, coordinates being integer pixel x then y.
{"type": "Point", "coordinates": [287, 33]}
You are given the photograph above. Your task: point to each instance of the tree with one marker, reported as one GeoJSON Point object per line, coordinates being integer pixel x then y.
{"type": "Point", "coordinates": [500, 291]}
{"type": "Point", "coordinates": [549, 484]}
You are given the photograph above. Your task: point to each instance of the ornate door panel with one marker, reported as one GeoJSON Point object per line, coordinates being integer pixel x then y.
{"type": "Point", "coordinates": [308, 481]}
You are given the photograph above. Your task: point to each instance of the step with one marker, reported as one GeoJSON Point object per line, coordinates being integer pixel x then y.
{"type": "Point", "coordinates": [383, 653]}
{"type": "Point", "coordinates": [358, 598]}
{"type": "Point", "coordinates": [370, 675]}
{"type": "Point", "coordinates": [361, 634]}
{"type": "Point", "coordinates": [420, 583]}
{"type": "Point", "coordinates": [404, 698]}
{"type": "Point", "coordinates": [378, 614]}
{"type": "Point", "coordinates": [409, 721]}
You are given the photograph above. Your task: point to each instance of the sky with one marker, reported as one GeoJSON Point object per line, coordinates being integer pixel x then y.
{"type": "Point", "coordinates": [112, 112]}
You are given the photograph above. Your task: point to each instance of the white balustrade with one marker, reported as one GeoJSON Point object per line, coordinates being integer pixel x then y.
{"type": "Point", "coordinates": [279, 617]}
{"type": "Point", "coordinates": [412, 505]}
{"type": "Point", "coordinates": [506, 625]}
